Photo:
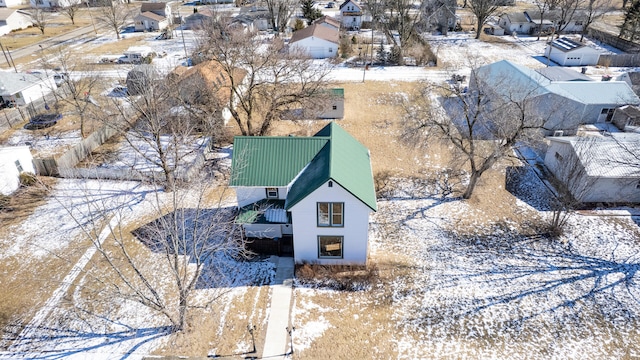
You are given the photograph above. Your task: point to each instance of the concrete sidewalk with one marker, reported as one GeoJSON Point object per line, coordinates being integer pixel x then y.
{"type": "Point", "coordinates": [276, 343]}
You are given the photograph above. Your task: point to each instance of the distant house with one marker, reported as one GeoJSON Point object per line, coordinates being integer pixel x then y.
{"type": "Point", "coordinates": [442, 15]}
{"type": "Point", "coordinates": [13, 3]}
{"type": "Point", "coordinates": [148, 21]}
{"type": "Point", "coordinates": [14, 160]}
{"type": "Point", "coordinates": [23, 88]}
{"type": "Point", "coordinates": [153, 16]}
{"type": "Point", "coordinates": [199, 19]}
{"type": "Point", "coordinates": [329, 22]}
{"type": "Point", "coordinates": [565, 98]}
{"type": "Point", "coordinates": [199, 83]}
{"type": "Point", "coordinates": [254, 18]}
{"type": "Point", "coordinates": [531, 22]}
{"type": "Point", "coordinates": [318, 41]}
{"type": "Point", "coordinates": [53, 3]}
{"type": "Point", "coordinates": [627, 116]}
{"type": "Point", "coordinates": [600, 168]}
{"type": "Point", "coordinates": [327, 104]}
{"type": "Point", "coordinates": [309, 197]}
{"type": "Point", "coordinates": [11, 19]}
{"type": "Point", "coordinates": [351, 14]}
{"type": "Point", "coordinates": [566, 52]}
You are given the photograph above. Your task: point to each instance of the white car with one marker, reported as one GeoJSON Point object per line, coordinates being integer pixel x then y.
{"type": "Point", "coordinates": [60, 78]}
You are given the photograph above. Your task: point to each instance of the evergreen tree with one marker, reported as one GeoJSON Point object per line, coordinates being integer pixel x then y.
{"type": "Point", "coordinates": [309, 12]}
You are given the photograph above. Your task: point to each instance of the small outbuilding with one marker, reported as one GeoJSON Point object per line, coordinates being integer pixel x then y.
{"type": "Point", "coordinates": [566, 52]}
{"type": "Point", "coordinates": [14, 160]}
{"type": "Point", "coordinates": [23, 88]}
{"type": "Point", "coordinates": [318, 41]}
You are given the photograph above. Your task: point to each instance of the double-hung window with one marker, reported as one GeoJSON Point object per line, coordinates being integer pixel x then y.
{"type": "Point", "coordinates": [272, 193]}
{"type": "Point", "coordinates": [330, 247]}
{"type": "Point", "coordinates": [331, 214]}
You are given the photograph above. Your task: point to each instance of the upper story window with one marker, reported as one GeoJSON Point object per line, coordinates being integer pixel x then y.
{"type": "Point", "coordinates": [19, 166]}
{"type": "Point", "coordinates": [331, 214]}
{"type": "Point", "coordinates": [272, 193]}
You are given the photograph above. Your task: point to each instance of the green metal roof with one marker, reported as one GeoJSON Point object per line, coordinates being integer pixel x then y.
{"type": "Point", "coordinates": [337, 92]}
{"type": "Point", "coordinates": [331, 154]}
{"type": "Point", "coordinates": [271, 161]}
{"type": "Point", "coordinates": [344, 160]}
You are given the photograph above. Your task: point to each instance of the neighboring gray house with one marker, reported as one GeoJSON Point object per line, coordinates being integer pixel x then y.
{"type": "Point", "coordinates": [566, 52]}
{"type": "Point", "coordinates": [565, 103]}
{"type": "Point", "coordinates": [531, 22]}
{"type": "Point", "coordinates": [23, 88]}
{"type": "Point", "coordinates": [441, 15]}
{"type": "Point", "coordinates": [140, 78]}
{"type": "Point", "coordinates": [254, 18]}
{"type": "Point", "coordinates": [198, 19]}
{"type": "Point", "coordinates": [597, 168]}
{"type": "Point", "coordinates": [12, 19]}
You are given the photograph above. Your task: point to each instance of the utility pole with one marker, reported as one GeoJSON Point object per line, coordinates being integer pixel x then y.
{"type": "Point", "coordinates": [9, 59]}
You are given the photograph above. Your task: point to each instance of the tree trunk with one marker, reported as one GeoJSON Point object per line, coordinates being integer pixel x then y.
{"type": "Point", "coordinates": [473, 181]}
{"type": "Point", "coordinates": [182, 313]}
{"type": "Point", "coordinates": [479, 30]}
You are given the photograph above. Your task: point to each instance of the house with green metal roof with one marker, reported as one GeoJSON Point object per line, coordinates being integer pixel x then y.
{"type": "Point", "coordinates": [310, 197]}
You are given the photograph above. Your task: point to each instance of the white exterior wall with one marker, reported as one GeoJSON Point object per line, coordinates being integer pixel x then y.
{"type": "Point", "coordinates": [9, 173]}
{"type": "Point", "coordinates": [306, 230]}
{"type": "Point", "coordinates": [16, 21]}
{"type": "Point", "coordinates": [13, 3]}
{"type": "Point", "coordinates": [317, 48]}
{"type": "Point", "coordinates": [602, 189]}
{"type": "Point", "coordinates": [249, 195]}
{"type": "Point", "coordinates": [36, 91]}
{"type": "Point", "coordinates": [580, 57]}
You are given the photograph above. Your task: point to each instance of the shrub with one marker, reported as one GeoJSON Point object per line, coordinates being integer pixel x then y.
{"type": "Point", "coordinates": [28, 179]}
{"type": "Point", "coordinates": [337, 277]}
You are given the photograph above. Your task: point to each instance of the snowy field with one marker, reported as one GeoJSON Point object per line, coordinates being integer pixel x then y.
{"type": "Point", "coordinates": [499, 292]}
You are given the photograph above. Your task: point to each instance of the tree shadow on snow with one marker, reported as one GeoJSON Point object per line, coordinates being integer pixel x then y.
{"type": "Point", "coordinates": [209, 237]}
{"type": "Point", "coordinates": [62, 342]}
{"type": "Point", "coordinates": [523, 183]}
{"type": "Point", "coordinates": [527, 276]}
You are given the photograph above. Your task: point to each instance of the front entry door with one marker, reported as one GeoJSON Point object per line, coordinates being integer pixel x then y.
{"type": "Point", "coordinates": [286, 246]}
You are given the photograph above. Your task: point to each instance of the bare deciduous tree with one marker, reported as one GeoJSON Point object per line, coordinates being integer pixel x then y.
{"type": "Point", "coordinates": [483, 125]}
{"type": "Point", "coordinates": [165, 128]}
{"type": "Point", "coordinates": [280, 11]}
{"type": "Point", "coordinates": [482, 9]}
{"type": "Point", "coordinates": [114, 14]}
{"type": "Point", "coordinates": [40, 18]}
{"type": "Point", "coordinates": [543, 6]}
{"type": "Point", "coordinates": [192, 243]}
{"type": "Point", "coordinates": [71, 11]}
{"type": "Point", "coordinates": [265, 80]}
{"type": "Point", "coordinates": [594, 10]}
{"type": "Point", "coordinates": [74, 91]}
{"type": "Point", "coordinates": [391, 16]}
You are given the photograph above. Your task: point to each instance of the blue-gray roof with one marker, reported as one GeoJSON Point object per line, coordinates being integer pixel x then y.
{"type": "Point", "coordinates": [512, 77]}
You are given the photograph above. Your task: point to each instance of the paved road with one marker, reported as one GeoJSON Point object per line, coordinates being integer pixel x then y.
{"type": "Point", "coordinates": [87, 32]}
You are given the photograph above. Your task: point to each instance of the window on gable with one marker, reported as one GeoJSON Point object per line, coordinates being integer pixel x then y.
{"type": "Point", "coordinates": [19, 166]}
{"type": "Point", "coordinates": [272, 193]}
{"type": "Point", "coordinates": [330, 247]}
{"type": "Point", "coordinates": [335, 107]}
{"type": "Point", "coordinates": [330, 214]}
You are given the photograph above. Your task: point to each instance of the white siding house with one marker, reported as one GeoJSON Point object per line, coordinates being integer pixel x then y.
{"type": "Point", "coordinates": [309, 197]}
{"type": "Point", "coordinates": [318, 41]}
{"type": "Point", "coordinates": [13, 3]}
{"type": "Point", "coordinates": [13, 161]}
{"type": "Point", "coordinates": [351, 15]}
{"type": "Point", "coordinates": [11, 19]}
{"type": "Point", "coordinates": [597, 168]}
{"type": "Point", "coordinates": [53, 3]}
{"type": "Point", "coordinates": [22, 88]}
{"type": "Point", "coordinates": [314, 243]}
{"type": "Point", "coordinates": [148, 21]}
{"type": "Point", "coordinates": [566, 52]}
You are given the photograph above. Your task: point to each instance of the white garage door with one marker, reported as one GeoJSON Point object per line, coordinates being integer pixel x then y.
{"type": "Point", "coordinates": [316, 52]}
